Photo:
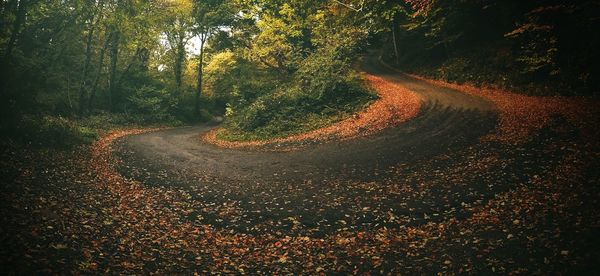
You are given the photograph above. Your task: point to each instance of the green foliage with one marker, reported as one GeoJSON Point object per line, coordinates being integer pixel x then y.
{"type": "Point", "coordinates": [549, 51]}
{"type": "Point", "coordinates": [273, 67]}
{"type": "Point", "coordinates": [105, 121]}
{"type": "Point", "coordinates": [281, 114]}
{"type": "Point", "coordinates": [49, 131]}
{"type": "Point", "coordinates": [310, 55]}
{"type": "Point", "coordinates": [221, 75]}
{"type": "Point", "coordinates": [234, 81]}
{"type": "Point", "coordinates": [313, 86]}
{"type": "Point", "coordinates": [274, 46]}
{"type": "Point", "coordinates": [538, 48]}
{"type": "Point", "coordinates": [102, 64]}
{"type": "Point", "coordinates": [324, 79]}
{"type": "Point", "coordinates": [152, 104]}
{"type": "Point", "coordinates": [63, 132]}
{"type": "Point", "coordinates": [322, 91]}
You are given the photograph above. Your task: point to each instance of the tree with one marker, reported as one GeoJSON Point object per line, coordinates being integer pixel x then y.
{"type": "Point", "coordinates": [94, 18]}
{"type": "Point", "coordinates": [100, 66]}
{"type": "Point", "coordinates": [179, 23]}
{"type": "Point", "coordinates": [21, 7]}
{"type": "Point", "coordinates": [209, 17]}
{"type": "Point", "coordinates": [273, 47]}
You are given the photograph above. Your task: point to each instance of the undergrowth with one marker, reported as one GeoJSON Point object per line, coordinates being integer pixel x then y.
{"type": "Point", "coordinates": [295, 111]}
{"type": "Point", "coordinates": [45, 131]}
{"type": "Point", "coordinates": [322, 91]}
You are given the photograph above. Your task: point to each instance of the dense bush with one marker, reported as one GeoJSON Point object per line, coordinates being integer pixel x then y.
{"type": "Point", "coordinates": [48, 131]}
{"type": "Point", "coordinates": [152, 105]}
{"type": "Point", "coordinates": [233, 82]}
{"type": "Point", "coordinates": [42, 131]}
{"type": "Point", "coordinates": [323, 90]}
{"type": "Point", "coordinates": [536, 47]}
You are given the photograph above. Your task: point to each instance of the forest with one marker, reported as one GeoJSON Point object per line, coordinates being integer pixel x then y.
{"type": "Point", "coordinates": [270, 67]}
{"type": "Point", "coordinates": [299, 137]}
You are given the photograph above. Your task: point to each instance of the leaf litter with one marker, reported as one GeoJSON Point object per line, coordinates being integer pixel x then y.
{"type": "Point", "coordinates": [523, 200]}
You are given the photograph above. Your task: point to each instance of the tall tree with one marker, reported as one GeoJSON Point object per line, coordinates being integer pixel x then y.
{"type": "Point", "coordinates": [209, 17]}
{"type": "Point", "coordinates": [20, 15]}
{"type": "Point", "coordinates": [100, 66]}
{"type": "Point", "coordinates": [178, 22]}
{"type": "Point", "coordinates": [21, 8]}
{"type": "Point", "coordinates": [114, 58]}
{"type": "Point", "coordinates": [93, 21]}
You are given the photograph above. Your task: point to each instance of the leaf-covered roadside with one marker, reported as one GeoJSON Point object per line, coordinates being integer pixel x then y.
{"type": "Point", "coordinates": [520, 115]}
{"type": "Point", "coordinates": [394, 106]}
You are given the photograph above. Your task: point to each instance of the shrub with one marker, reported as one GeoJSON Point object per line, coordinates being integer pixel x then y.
{"type": "Point", "coordinates": [50, 131]}
{"type": "Point", "coordinates": [151, 105]}
{"type": "Point", "coordinates": [322, 91]}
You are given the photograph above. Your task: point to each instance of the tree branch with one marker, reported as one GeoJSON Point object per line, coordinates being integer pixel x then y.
{"type": "Point", "coordinates": [350, 6]}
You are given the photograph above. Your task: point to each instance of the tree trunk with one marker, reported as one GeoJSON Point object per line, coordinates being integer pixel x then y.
{"type": "Point", "coordinates": [86, 66]}
{"type": "Point", "coordinates": [98, 73]}
{"type": "Point", "coordinates": [114, 56]}
{"type": "Point", "coordinates": [200, 75]}
{"type": "Point", "coordinates": [179, 60]}
{"type": "Point", "coordinates": [69, 93]}
{"type": "Point", "coordinates": [88, 58]}
{"type": "Point", "coordinates": [20, 17]}
{"type": "Point", "coordinates": [6, 7]}
{"type": "Point", "coordinates": [144, 59]}
{"type": "Point", "coordinates": [395, 43]}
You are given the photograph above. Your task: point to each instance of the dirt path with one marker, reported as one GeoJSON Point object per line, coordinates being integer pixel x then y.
{"type": "Point", "coordinates": [448, 119]}
{"type": "Point", "coordinates": [425, 197]}
{"type": "Point", "coordinates": [268, 186]}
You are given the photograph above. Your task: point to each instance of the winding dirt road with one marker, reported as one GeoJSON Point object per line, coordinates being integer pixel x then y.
{"type": "Point", "coordinates": [265, 187]}
{"type": "Point", "coordinates": [448, 119]}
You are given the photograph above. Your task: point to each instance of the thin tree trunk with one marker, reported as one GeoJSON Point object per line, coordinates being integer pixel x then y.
{"type": "Point", "coordinates": [177, 40]}
{"type": "Point", "coordinates": [98, 73]}
{"type": "Point", "coordinates": [200, 75]}
{"type": "Point", "coordinates": [16, 29]}
{"type": "Point", "coordinates": [4, 7]}
{"type": "Point", "coordinates": [69, 94]}
{"type": "Point", "coordinates": [179, 60]}
{"type": "Point", "coordinates": [20, 18]}
{"type": "Point", "coordinates": [86, 66]}
{"type": "Point", "coordinates": [114, 56]}
{"type": "Point", "coordinates": [88, 57]}
{"type": "Point", "coordinates": [144, 58]}
{"type": "Point", "coordinates": [395, 43]}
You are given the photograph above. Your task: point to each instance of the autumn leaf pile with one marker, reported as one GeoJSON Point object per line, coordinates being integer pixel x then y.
{"type": "Point", "coordinates": [395, 105]}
